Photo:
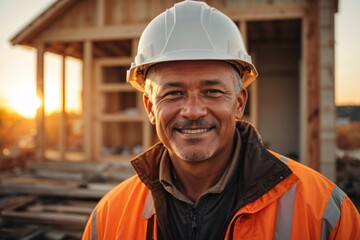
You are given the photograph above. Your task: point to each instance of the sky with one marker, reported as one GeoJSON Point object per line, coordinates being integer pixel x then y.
{"type": "Point", "coordinates": [17, 63]}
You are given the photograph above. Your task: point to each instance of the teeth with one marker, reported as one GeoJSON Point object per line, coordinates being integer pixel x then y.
{"type": "Point", "coordinates": [192, 131]}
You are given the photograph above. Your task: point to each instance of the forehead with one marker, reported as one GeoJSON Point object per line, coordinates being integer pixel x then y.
{"type": "Point", "coordinates": [203, 68]}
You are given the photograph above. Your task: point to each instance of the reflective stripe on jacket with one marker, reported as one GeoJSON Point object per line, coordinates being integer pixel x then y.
{"type": "Point", "coordinates": [303, 205]}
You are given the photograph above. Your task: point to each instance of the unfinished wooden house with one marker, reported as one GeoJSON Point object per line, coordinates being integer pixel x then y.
{"type": "Point", "coordinates": [291, 103]}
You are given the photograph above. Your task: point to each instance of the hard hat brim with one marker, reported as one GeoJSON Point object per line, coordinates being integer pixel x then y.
{"type": "Point", "coordinates": [136, 75]}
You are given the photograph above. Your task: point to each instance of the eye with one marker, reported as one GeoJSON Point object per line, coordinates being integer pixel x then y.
{"type": "Point", "coordinates": [212, 92]}
{"type": "Point", "coordinates": [173, 94]}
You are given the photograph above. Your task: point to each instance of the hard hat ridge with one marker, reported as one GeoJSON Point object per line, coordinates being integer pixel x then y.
{"type": "Point", "coordinates": [187, 21]}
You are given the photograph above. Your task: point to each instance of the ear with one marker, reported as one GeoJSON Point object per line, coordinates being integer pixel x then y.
{"type": "Point", "coordinates": [241, 103]}
{"type": "Point", "coordinates": [149, 108]}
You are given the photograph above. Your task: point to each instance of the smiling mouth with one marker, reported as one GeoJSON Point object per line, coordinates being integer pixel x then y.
{"type": "Point", "coordinates": [194, 131]}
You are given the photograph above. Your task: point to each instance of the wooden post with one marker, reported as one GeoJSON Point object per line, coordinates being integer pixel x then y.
{"type": "Point", "coordinates": [40, 113]}
{"type": "Point", "coordinates": [100, 13]}
{"type": "Point", "coordinates": [303, 94]}
{"type": "Point", "coordinates": [312, 77]}
{"type": "Point", "coordinates": [87, 103]}
{"type": "Point", "coordinates": [62, 129]}
{"type": "Point", "coordinates": [253, 118]}
{"type": "Point", "coordinates": [147, 126]}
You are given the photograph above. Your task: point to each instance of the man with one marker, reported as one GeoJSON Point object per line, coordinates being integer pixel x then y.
{"type": "Point", "coordinates": [210, 177]}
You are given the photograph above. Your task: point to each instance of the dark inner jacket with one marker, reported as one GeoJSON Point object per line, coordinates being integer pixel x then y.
{"type": "Point", "coordinates": [258, 171]}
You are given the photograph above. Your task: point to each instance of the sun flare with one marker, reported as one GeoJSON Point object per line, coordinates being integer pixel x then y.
{"type": "Point", "coordinates": [26, 105]}
{"type": "Point", "coordinates": [25, 102]}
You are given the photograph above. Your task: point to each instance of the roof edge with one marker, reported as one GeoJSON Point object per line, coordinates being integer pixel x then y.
{"type": "Point", "coordinates": [24, 36]}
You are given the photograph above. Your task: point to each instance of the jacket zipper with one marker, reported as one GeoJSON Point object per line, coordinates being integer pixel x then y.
{"type": "Point", "coordinates": [232, 226]}
{"type": "Point", "coordinates": [193, 218]}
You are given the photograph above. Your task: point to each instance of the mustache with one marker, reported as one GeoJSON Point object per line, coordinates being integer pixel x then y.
{"type": "Point", "coordinates": [199, 123]}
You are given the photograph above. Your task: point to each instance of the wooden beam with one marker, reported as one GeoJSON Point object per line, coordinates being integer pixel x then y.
{"type": "Point", "coordinates": [98, 73]}
{"type": "Point", "coordinates": [93, 33]}
{"type": "Point", "coordinates": [100, 13]}
{"type": "Point", "coordinates": [87, 103]}
{"type": "Point", "coordinates": [115, 49]}
{"type": "Point", "coordinates": [61, 208]}
{"type": "Point", "coordinates": [12, 203]}
{"type": "Point", "coordinates": [313, 88]}
{"type": "Point", "coordinates": [40, 113]}
{"type": "Point", "coordinates": [56, 47]}
{"type": "Point", "coordinates": [266, 12]}
{"type": "Point", "coordinates": [116, 87]}
{"type": "Point", "coordinates": [98, 52]}
{"type": "Point", "coordinates": [74, 220]}
{"type": "Point", "coordinates": [73, 49]}
{"type": "Point", "coordinates": [303, 93]}
{"type": "Point", "coordinates": [41, 190]}
{"type": "Point", "coordinates": [114, 61]}
{"type": "Point", "coordinates": [62, 117]}
{"type": "Point", "coordinates": [41, 22]}
{"type": "Point", "coordinates": [134, 30]}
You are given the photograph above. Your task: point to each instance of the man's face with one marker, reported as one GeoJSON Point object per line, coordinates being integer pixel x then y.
{"type": "Point", "coordinates": [194, 106]}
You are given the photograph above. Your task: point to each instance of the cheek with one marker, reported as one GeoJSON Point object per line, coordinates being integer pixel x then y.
{"type": "Point", "coordinates": [229, 109]}
{"type": "Point", "coordinates": [165, 113]}
{"type": "Point", "coordinates": [164, 119]}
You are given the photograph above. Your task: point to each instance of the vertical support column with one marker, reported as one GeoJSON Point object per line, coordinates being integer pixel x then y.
{"type": "Point", "coordinates": [303, 93]}
{"type": "Point", "coordinates": [99, 108]}
{"type": "Point", "coordinates": [100, 13]}
{"type": "Point", "coordinates": [146, 125]}
{"type": "Point", "coordinates": [253, 99]}
{"type": "Point", "coordinates": [87, 103]}
{"type": "Point", "coordinates": [327, 86]}
{"type": "Point", "coordinates": [312, 77]}
{"type": "Point", "coordinates": [40, 114]}
{"type": "Point", "coordinates": [62, 130]}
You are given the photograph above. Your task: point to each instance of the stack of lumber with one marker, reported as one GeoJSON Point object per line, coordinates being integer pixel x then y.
{"type": "Point", "coordinates": [53, 200]}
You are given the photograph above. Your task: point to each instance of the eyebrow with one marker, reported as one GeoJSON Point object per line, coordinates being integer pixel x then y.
{"type": "Point", "coordinates": [211, 82]}
{"type": "Point", "coordinates": [172, 84]}
{"type": "Point", "coordinates": [204, 83]}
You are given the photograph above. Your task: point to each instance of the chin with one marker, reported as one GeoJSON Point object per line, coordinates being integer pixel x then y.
{"type": "Point", "coordinates": [194, 156]}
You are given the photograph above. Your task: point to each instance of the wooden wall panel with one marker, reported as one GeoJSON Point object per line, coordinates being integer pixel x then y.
{"type": "Point", "coordinates": [252, 3]}
{"type": "Point", "coordinates": [113, 12]}
{"type": "Point", "coordinates": [81, 14]}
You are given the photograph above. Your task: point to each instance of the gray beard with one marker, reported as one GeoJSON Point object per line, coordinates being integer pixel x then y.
{"type": "Point", "coordinates": [195, 157]}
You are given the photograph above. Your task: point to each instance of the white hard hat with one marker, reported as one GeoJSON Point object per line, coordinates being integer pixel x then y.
{"type": "Point", "coordinates": [190, 30]}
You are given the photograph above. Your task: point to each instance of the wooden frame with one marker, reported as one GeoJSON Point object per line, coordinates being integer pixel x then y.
{"type": "Point", "coordinates": [102, 118]}
{"type": "Point", "coordinates": [81, 37]}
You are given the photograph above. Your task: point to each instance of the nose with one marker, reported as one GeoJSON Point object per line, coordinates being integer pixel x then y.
{"type": "Point", "coordinates": [193, 107]}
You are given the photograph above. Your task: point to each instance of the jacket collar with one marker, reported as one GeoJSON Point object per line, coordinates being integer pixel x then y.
{"type": "Point", "coordinates": [260, 170]}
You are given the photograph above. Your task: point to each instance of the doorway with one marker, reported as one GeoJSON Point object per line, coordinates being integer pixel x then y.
{"type": "Point", "coordinates": [276, 45]}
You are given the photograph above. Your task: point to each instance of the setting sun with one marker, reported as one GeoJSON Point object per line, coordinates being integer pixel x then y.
{"type": "Point", "coordinates": [25, 104]}
{"type": "Point", "coordinates": [24, 101]}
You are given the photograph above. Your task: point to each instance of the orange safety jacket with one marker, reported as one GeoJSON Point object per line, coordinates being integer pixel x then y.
{"type": "Point", "coordinates": [300, 204]}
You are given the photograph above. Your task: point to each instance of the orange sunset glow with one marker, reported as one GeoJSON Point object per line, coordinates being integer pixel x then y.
{"type": "Point", "coordinates": [28, 107]}
{"type": "Point", "coordinates": [24, 101]}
